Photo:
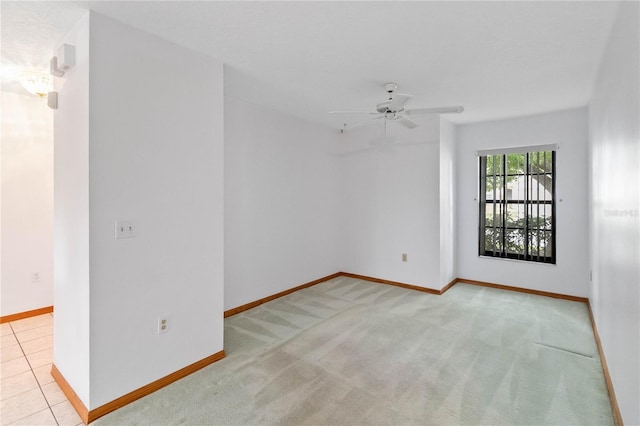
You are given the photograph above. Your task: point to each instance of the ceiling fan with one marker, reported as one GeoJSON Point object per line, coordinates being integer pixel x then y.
{"type": "Point", "coordinates": [393, 109]}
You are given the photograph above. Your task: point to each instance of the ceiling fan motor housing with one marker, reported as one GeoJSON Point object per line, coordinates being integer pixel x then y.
{"type": "Point", "coordinates": [383, 107]}
{"type": "Point", "coordinates": [390, 87]}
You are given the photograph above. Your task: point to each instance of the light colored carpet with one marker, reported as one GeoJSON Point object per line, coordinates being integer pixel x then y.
{"type": "Point", "coordinates": [347, 352]}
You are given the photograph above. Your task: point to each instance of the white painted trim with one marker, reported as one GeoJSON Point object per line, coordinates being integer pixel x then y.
{"type": "Point", "coordinates": [517, 149]}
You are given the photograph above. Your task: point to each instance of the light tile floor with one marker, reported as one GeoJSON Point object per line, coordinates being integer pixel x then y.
{"type": "Point", "coordinates": [28, 393]}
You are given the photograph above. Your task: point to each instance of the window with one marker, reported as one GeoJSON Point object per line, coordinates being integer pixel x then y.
{"type": "Point", "coordinates": [517, 205]}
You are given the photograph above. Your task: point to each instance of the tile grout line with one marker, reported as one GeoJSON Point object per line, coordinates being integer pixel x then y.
{"type": "Point", "coordinates": [35, 377]}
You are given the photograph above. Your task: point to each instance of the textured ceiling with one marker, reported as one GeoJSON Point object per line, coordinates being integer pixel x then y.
{"type": "Point", "coordinates": [498, 59]}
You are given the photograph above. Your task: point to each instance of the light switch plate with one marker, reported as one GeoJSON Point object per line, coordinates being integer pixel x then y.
{"type": "Point", "coordinates": [125, 229]}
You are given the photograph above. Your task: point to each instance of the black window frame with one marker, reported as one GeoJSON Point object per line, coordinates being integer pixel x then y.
{"type": "Point", "coordinates": [528, 203]}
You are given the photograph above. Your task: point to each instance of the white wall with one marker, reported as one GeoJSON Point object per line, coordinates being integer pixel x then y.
{"type": "Point", "coordinates": [390, 204]}
{"type": "Point", "coordinates": [615, 202]}
{"type": "Point", "coordinates": [27, 204]}
{"type": "Point", "coordinates": [154, 156]}
{"type": "Point", "coordinates": [280, 202]}
{"type": "Point", "coordinates": [303, 201]}
{"type": "Point", "coordinates": [448, 177]}
{"type": "Point", "coordinates": [71, 218]}
{"type": "Point", "coordinates": [569, 130]}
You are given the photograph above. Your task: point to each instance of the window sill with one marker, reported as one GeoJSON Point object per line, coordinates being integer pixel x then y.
{"type": "Point", "coordinates": [521, 262]}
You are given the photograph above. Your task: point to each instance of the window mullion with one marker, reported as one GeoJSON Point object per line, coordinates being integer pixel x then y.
{"type": "Point", "coordinates": [482, 206]}
{"type": "Point", "coordinates": [538, 206]}
{"type": "Point", "coordinates": [553, 207]}
{"type": "Point", "coordinates": [495, 199]}
{"type": "Point", "coordinates": [526, 205]}
{"type": "Point", "coordinates": [504, 205]}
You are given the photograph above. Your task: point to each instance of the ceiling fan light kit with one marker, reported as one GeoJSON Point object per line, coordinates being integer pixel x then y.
{"type": "Point", "coordinates": [393, 108]}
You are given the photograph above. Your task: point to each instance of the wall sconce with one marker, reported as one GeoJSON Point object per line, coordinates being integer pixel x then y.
{"type": "Point", "coordinates": [58, 66]}
{"type": "Point", "coordinates": [41, 84]}
{"type": "Point", "coordinates": [64, 61]}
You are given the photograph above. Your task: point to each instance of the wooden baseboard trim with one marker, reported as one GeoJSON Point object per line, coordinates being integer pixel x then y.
{"type": "Point", "coordinates": [153, 386]}
{"type": "Point", "coordinates": [617, 416]}
{"type": "Point", "coordinates": [524, 290]}
{"type": "Point", "coordinates": [237, 310]}
{"type": "Point", "coordinates": [448, 286]}
{"type": "Point", "coordinates": [27, 314]}
{"type": "Point", "coordinates": [258, 302]}
{"type": "Point", "coordinates": [394, 283]}
{"type": "Point", "coordinates": [71, 395]}
{"type": "Point", "coordinates": [89, 416]}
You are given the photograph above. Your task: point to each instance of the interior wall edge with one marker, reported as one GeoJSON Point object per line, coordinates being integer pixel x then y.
{"type": "Point", "coordinates": [71, 395]}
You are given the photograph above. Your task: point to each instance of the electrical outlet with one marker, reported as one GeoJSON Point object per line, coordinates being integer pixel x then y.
{"type": "Point", "coordinates": [163, 325]}
{"type": "Point", "coordinates": [35, 277]}
{"type": "Point", "coordinates": [125, 229]}
{"type": "Point", "coordinates": [404, 257]}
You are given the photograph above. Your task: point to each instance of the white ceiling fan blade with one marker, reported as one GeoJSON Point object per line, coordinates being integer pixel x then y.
{"type": "Point", "coordinates": [398, 101]}
{"type": "Point", "coordinates": [439, 110]}
{"type": "Point", "coordinates": [407, 122]}
{"type": "Point", "coordinates": [354, 112]}
{"type": "Point", "coordinates": [363, 123]}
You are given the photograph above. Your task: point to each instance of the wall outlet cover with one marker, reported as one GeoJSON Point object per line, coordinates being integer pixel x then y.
{"type": "Point", "coordinates": [163, 324]}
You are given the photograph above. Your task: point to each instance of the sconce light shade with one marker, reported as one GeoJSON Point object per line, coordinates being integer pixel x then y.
{"type": "Point", "coordinates": [38, 83]}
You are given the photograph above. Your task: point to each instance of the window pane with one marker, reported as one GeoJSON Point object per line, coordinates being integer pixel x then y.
{"type": "Point", "coordinates": [540, 187]}
{"type": "Point", "coordinates": [518, 206]}
{"type": "Point", "coordinates": [540, 216]}
{"type": "Point", "coordinates": [540, 243]}
{"type": "Point", "coordinates": [515, 215]}
{"type": "Point", "coordinates": [495, 187]}
{"type": "Point", "coordinates": [493, 215]}
{"type": "Point", "coordinates": [540, 162]}
{"type": "Point", "coordinates": [515, 241]}
{"type": "Point", "coordinates": [494, 165]}
{"type": "Point", "coordinates": [548, 243]}
{"type": "Point", "coordinates": [515, 164]}
{"type": "Point", "coordinates": [516, 188]}
{"type": "Point", "coordinates": [493, 239]}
